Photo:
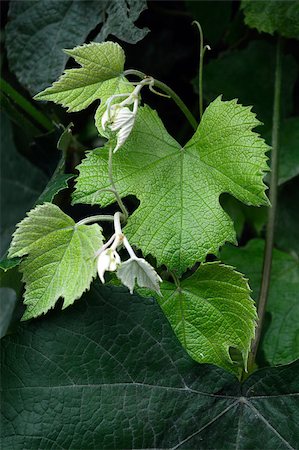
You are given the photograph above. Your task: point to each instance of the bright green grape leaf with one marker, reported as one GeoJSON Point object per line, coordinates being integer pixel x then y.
{"type": "Point", "coordinates": [210, 313]}
{"type": "Point", "coordinates": [274, 15]}
{"type": "Point", "coordinates": [60, 261]}
{"type": "Point", "coordinates": [139, 270]}
{"type": "Point", "coordinates": [108, 373]}
{"type": "Point", "coordinates": [102, 67]}
{"type": "Point", "coordinates": [180, 220]}
{"type": "Point", "coordinates": [8, 300]}
{"type": "Point", "coordinates": [236, 80]}
{"type": "Point", "coordinates": [281, 341]}
{"type": "Point", "coordinates": [38, 30]}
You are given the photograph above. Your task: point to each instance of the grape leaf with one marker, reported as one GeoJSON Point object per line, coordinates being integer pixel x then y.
{"type": "Point", "coordinates": [210, 313]}
{"type": "Point", "coordinates": [108, 373]}
{"type": "Point", "coordinates": [288, 149]}
{"type": "Point", "coordinates": [287, 219]}
{"type": "Point", "coordinates": [21, 184]}
{"type": "Point", "coordinates": [38, 30]}
{"type": "Point", "coordinates": [102, 67]}
{"type": "Point", "coordinates": [8, 300]}
{"type": "Point", "coordinates": [179, 219]}
{"type": "Point", "coordinates": [60, 261]}
{"type": "Point", "coordinates": [280, 342]}
{"type": "Point", "coordinates": [140, 270]}
{"type": "Point", "coordinates": [270, 16]}
{"type": "Point", "coordinates": [9, 263]}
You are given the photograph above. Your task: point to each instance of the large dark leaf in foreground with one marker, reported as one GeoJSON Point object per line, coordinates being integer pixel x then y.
{"type": "Point", "coordinates": [108, 373]}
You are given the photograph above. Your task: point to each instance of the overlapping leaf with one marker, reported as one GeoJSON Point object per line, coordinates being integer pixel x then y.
{"type": "Point", "coordinates": [210, 313]}
{"type": "Point", "coordinates": [108, 373]}
{"type": "Point", "coordinates": [101, 71]}
{"type": "Point", "coordinates": [60, 261]}
{"type": "Point", "coordinates": [179, 219]}
{"type": "Point", "coordinates": [270, 16]}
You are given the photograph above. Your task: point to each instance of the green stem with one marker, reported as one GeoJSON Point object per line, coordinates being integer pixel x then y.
{"type": "Point", "coordinates": [40, 118]}
{"type": "Point", "coordinates": [175, 279]}
{"type": "Point", "coordinates": [160, 85]}
{"type": "Point", "coordinates": [273, 199]}
{"type": "Point", "coordinates": [97, 218]}
{"type": "Point", "coordinates": [202, 50]}
{"type": "Point", "coordinates": [117, 196]}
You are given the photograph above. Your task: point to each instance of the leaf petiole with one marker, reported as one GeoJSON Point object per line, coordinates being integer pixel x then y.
{"type": "Point", "coordinates": [202, 50]}
{"type": "Point", "coordinates": [98, 218]}
{"type": "Point", "coordinates": [160, 85]}
{"type": "Point", "coordinates": [117, 196]}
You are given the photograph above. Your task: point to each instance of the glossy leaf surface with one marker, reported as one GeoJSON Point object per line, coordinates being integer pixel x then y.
{"type": "Point", "coordinates": [108, 373]}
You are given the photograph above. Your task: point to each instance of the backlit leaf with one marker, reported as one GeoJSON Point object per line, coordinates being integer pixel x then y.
{"type": "Point", "coordinates": [180, 220]}
{"type": "Point", "coordinates": [61, 257]}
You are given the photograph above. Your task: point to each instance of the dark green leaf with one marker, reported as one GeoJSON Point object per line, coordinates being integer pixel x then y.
{"type": "Point", "coordinates": [248, 75]}
{"type": "Point", "coordinates": [288, 149]}
{"type": "Point", "coordinates": [8, 299]}
{"type": "Point", "coordinates": [109, 374]}
{"type": "Point", "coordinates": [38, 30]}
{"type": "Point", "coordinates": [21, 184]}
{"type": "Point", "coordinates": [280, 343]}
{"type": "Point", "coordinates": [10, 304]}
{"type": "Point", "coordinates": [57, 183]}
{"type": "Point", "coordinates": [9, 263]}
{"type": "Point", "coordinates": [273, 15]}
{"type": "Point", "coordinates": [287, 220]}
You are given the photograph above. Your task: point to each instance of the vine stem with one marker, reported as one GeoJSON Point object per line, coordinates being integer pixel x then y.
{"type": "Point", "coordinates": [160, 85]}
{"type": "Point", "coordinates": [267, 264]}
{"type": "Point", "coordinates": [202, 50]}
{"type": "Point", "coordinates": [117, 196]}
{"type": "Point", "coordinates": [93, 219]}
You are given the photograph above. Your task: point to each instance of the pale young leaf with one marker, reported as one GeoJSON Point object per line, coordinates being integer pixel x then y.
{"type": "Point", "coordinates": [137, 270]}
{"type": "Point", "coordinates": [101, 69]}
{"type": "Point", "coordinates": [61, 257]}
